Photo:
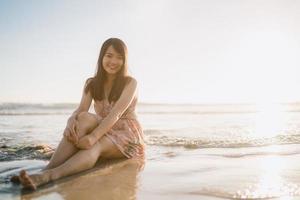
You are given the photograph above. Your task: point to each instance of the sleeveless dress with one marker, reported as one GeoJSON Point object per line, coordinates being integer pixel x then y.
{"type": "Point", "coordinates": [127, 133]}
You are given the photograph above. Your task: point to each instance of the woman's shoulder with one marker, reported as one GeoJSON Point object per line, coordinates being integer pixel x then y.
{"type": "Point", "coordinates": [131, 80]}
{"type": "Point", "coordinates": [131, 83]}
{"type": "Point", "coordinates": [89, 80]}
{"type": "Point", "coordinates": [88, 84]}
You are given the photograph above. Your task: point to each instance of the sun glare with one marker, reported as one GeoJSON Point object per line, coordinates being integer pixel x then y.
{"type": "Point", "coordinates": [271, 183]}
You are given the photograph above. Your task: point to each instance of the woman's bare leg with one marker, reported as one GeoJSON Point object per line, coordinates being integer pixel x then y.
{"type": "Point", "coordinates": [86, 123]}
{"type": "Point", "coordinates": [80, 161]}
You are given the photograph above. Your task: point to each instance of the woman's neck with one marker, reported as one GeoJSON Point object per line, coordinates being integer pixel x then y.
{"type": "Point", "coordinates": [110, 79]}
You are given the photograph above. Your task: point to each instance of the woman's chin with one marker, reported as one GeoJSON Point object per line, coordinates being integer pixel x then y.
{"type": "Point", "coordinates": [111, 72]}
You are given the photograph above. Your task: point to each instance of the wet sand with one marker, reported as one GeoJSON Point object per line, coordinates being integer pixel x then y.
{"type": "Point", "coordinates": [172, 173]}
{"type": "Point", "coordinates": [115, 179]}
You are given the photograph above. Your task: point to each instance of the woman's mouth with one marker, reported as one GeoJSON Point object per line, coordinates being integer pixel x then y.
{"type": "Point", "coordinates": [112, 68]}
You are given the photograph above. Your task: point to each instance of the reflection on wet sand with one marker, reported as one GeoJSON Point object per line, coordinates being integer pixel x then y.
{"type": "Point", "coordinates": [116, 179]}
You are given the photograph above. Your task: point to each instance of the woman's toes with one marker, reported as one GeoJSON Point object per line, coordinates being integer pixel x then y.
{"type": "Point", "coordinates": [26, 181]}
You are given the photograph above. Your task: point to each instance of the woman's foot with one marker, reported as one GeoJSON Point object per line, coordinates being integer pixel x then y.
{"type": "Point", "coordinates": [33, 181]}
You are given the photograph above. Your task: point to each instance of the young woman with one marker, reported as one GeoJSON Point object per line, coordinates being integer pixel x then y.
{"type": "Point", "coordinates": [113, 132]}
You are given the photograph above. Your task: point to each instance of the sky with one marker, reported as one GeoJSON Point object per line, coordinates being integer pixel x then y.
{"type": "Point", "coordinates": [180, 51]}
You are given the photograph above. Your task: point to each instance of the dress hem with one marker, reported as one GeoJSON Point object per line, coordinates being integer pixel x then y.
{"type": "Point", "coordinates": [117, 145]}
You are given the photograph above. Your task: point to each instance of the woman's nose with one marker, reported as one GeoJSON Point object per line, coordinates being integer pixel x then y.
{"type": "Point", "coordinates": [113, 61]}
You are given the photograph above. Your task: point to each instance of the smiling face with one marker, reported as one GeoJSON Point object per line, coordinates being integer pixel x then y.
{"type": "Point", "coordinates": [112, 70]}
{"type": "Point", "coordinates": [112, 61]}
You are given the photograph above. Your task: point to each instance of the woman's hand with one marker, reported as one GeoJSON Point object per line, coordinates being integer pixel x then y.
{"type": "Point", "coordinates": [71, 137]}
{"type": "Point", "coordinates": [70, 131]}
{"type": "Point", "coordinates": [87, 141]}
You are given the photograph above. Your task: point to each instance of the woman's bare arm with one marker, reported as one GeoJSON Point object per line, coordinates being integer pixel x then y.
{"type": "Point", "coordinates": [118, 109]}
{"type": "Point", "coordinates": [70, 130]}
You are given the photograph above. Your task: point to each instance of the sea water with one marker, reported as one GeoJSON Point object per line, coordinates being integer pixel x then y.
{"type": "Point", "coordinates": [229, 151]}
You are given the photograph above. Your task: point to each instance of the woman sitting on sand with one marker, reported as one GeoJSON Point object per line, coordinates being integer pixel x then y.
{"type": "Point", "coordinates": [114, 132]}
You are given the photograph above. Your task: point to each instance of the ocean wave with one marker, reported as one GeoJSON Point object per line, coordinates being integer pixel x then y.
{"type": "Point", "coordinates": [15, 106]}
{"type": "Point", "coordinates": [258, 153]}
{"type": "Point", "coordinates": [7, 109]}
{"type": "Point", "coordinates": [198, 112]}
{"type": "Point", "coordinates": [33, 113]}
{"type": "Point", "coordinates": [197, 143]}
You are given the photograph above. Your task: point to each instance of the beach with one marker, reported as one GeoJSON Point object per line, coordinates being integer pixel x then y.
{"type": "Point", "coordinates": [193, 152]}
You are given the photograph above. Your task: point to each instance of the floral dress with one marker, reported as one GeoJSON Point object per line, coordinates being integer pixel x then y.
{"type": "Point", "coordinates": [126, 133]}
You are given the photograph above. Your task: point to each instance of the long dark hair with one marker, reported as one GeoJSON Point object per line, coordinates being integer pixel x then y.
{"type": "Point", "coordinates": [96, 84]}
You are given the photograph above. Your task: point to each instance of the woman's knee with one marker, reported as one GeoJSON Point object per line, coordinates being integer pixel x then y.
{"type": "Point", "coordinates": [86, 121]}
{"type": "Point", "coordinates": [83, 116]}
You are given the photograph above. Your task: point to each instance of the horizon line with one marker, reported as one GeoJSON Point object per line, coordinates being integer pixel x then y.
{"type": "Point", "coordinates": [158, 103]}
